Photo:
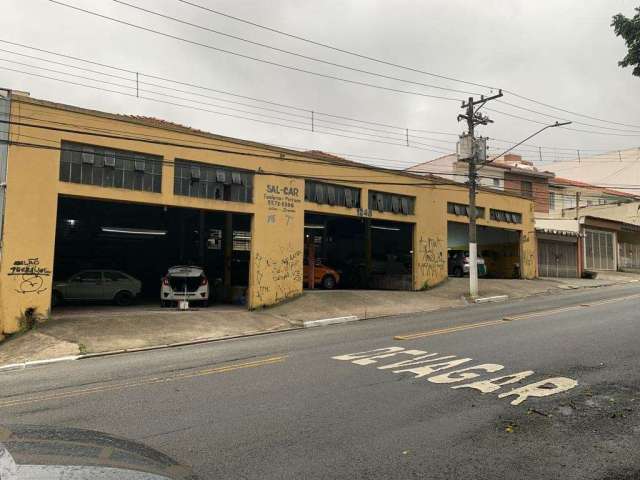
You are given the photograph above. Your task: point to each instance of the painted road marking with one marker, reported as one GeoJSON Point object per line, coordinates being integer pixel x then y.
{"type": "Point", "coordinates": [424, 364]}
{"type": "Point", "coordinates": [148, 381]}
{"type": "Point", "coordinates": [510, 318]}
{"type": "Point", "coordinates": [440, 331]}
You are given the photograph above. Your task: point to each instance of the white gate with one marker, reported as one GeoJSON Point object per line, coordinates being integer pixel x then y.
{"type": "Point", "coordinates": [599, 250]}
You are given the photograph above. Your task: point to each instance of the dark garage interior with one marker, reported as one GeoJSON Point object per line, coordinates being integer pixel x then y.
{"type": "Point", "coordinates": [144, 241]}
{"type": "Point", "coordinates": [500, 248]}
{"type": "Point", "coordinates": [366, 253]}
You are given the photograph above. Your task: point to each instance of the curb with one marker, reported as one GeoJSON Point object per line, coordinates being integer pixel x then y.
{"type": "Point", "coordinates": [33, 363]}
{"type": "Point", "coordinates": [495, 298]}
{"type": "Point", "coordinates": [183, 344]}
{"type": "Point", "coordinates": [328, 321]}
{"type": "Point", "coordinates": [304, 324]}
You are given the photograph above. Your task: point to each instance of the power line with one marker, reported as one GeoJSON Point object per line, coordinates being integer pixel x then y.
{"type": "Point", "coordinates": [325, 45]}
{"type": "Point", "coordinates": [556, 118]}
{"type": "Point", "coordinates": [343, 178]}
{"type": "Point", "coordinates": [248, 57]}
{"type": "Point", "coordinates": [563, 128]}
{"type": "Point", "coordinates": [534, 149]}
{"type": "Point", "coordinates": [388, 63]}
{"type": "Point", "coordinates": [332, 133]}
{"type": "Point", "coordinates": [288, 52]}
{"type": "Point", "coordinates": [305, 110]}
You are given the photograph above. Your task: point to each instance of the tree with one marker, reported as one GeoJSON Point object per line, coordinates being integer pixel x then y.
{"type": "Point", "coordinates": [629, 29]}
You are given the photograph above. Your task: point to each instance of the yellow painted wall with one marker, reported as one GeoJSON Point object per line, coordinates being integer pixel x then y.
{"type": "Point", "coordinates": [33, 188]}
{"type": "Point", "coordinates": [277, 240]}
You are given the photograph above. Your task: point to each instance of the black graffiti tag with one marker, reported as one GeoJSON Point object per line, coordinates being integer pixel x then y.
{"type": "Point", "coordinates": [31, 273]}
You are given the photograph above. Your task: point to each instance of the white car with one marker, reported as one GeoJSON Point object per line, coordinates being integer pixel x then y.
{"type": "Point", "coordinates": [95, 285]}
{"type": "Point", "coordinates": [184, 282]}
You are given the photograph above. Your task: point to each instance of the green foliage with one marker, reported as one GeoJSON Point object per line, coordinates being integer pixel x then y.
{"type": "Point", "coordinates": [629, 29]}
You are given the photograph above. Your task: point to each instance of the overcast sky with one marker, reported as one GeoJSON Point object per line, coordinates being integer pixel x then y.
{"type": "Point", "coordinates": [563, 53]}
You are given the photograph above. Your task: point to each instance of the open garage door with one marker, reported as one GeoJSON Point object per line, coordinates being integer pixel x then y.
{"type": "Point", "coordinates": [113, 243]}
{"type": "Point", "coordinates": [499, 248]}
{"type": "Point", "coordinates": [357, 253]}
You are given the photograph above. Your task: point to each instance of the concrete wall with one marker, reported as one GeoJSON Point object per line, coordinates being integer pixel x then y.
{"type": "Point", "coordinates": [26, 260]}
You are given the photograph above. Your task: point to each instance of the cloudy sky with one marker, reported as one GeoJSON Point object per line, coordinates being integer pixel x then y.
{"type": "Point", "coordinates": [561, 53]}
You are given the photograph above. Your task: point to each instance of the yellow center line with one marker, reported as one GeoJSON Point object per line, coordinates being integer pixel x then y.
{"type": "Point", "coordinates": [148, 381]}
{"type": "Point", "coordinates": [429, 333]}
{"type": "Point", "coordinates": [468, 326]}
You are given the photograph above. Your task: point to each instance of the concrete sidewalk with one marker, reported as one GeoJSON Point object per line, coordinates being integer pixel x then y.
{"type": "Point", "coordinates": [80, 330]}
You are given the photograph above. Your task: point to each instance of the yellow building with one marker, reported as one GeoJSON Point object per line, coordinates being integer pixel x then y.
{"type": "Point", "coordinates": [85, 190]}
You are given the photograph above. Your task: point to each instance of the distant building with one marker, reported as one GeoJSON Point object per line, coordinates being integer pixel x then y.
{"type": "Point", "coordinates": [508, 173]}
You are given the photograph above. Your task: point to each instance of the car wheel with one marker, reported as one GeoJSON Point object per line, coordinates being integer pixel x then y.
{"type": "Point", "coordinates": [329, 282]}
{"type": "Point", "coordinates": [205, 303]}
{"type": "Point", "coordinates": [56, 298]}
{"type": "Point", "coordinates": [123, 298]}
{"type": "Point", "coordinates": [457, 271]}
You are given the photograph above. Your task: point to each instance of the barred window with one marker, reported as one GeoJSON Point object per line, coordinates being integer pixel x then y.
{"type": "Point", "coordinates": [202, 180]}
{"type": "Point", "coordinates": [463, 210]}
{"type": "Point", "coordinates": [390, 202]}
{"type": "Point", "coordinates": [504, 216]}
{"type": "Point", "coordinates": [108, 167]}
{"type": "Point", "coordinates": [331, 194]}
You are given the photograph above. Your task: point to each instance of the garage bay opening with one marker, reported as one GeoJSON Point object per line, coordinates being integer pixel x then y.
{"type": "Point", "coordinates": [498, 251]}
{"type": "Point", "coordinates": [122, 253]}
{"type": "Point", "coordinates": [357, 253]}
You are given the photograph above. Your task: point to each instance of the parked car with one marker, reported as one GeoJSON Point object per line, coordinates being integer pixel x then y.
{"type": "Point", "coordinates": [324, 276]}
{"type": "Point", "coordinates": [184, 282]}
{"type": "Point", "coordinates": [95, 285]}
{"type": "Point", "coordinates": [458, 263]}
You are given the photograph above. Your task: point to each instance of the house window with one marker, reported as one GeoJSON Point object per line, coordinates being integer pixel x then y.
{"type": "Point", "coordinates": [105, 167]}
{"type": "Point", "coordinates": [552, 201]}
{"type": "Point", "coordinates": [527, 189]}
{"type": "Point", "coordinates": [496, 183]}
{"type": "Point", "coordinates": [201, 180]}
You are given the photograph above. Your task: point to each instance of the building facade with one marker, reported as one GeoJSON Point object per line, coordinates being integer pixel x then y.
{"type": "Point", "coordinates": [93, 190]}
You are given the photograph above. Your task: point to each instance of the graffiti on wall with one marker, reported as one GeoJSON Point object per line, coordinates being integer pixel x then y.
{"type": "Point", "coordinates": [29, 274]}
{"type": "Point", "coordinates": [528, 254]}
{"type": "Point", "coordinates": [278, 272]}
{"type": "Point", "coordinates": [278, 277]}
{"type": "Point", "coordinates": [431, 259]}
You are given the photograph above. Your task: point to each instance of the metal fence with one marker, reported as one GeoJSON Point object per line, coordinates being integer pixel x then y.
{"type": "Point", "coordinates": [557, 259]}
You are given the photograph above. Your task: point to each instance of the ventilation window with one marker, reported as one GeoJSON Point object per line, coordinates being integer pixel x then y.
{"type": "Point", "coordinates": [138, 164]}
{"type": "Point", "coordinates": [88, 155]}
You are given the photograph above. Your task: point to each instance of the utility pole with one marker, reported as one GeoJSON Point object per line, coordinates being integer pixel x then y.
{"type": "Point", "coordinates": [474, 118]}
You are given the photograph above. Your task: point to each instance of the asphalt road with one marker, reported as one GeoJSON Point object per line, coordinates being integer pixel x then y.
{"type": "Point", "coordinates": [279, 406]}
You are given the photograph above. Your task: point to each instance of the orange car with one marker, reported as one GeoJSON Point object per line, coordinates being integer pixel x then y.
{"type": "Point", "coordinates": [324, 276]}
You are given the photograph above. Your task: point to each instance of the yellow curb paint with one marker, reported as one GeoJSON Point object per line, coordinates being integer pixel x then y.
{"type": "Point", "coordinates": [148, 381]}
